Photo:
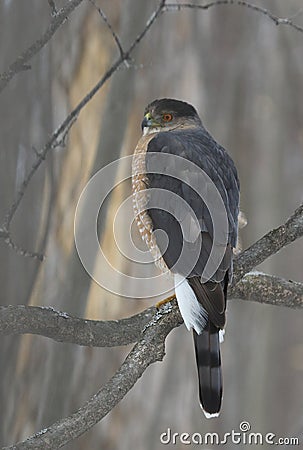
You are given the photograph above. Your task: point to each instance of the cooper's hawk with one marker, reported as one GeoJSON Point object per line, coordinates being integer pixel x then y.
{"type": "Point", "coordinates": [186, 185]}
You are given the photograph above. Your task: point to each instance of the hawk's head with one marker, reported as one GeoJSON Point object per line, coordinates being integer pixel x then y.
{"type": "Point", "coordinates": [168, 114]}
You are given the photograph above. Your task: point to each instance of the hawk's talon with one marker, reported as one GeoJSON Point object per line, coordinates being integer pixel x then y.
{"type": "Point", "coordinates": [164, 301]}
{"type": "Point", "coordinates": [166, 308]}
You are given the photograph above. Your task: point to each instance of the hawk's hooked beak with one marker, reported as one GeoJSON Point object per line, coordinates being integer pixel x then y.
{"type": "Point", "coordinates": [148, 121]}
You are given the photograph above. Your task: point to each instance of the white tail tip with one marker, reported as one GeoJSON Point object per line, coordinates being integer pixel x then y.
{"type": "Point", "coordinates": [210, 416]}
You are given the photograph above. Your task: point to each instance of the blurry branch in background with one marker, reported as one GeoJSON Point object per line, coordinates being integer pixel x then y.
{"type": "Point", "coordinates": [277, 20]}
{"type": "Point", "coordinates": [109, 26]}
{"type": "Point", "coordinates": [5, 233]}
{"type": "Point", "coordinates": [149, 329]}
{"type": "Point", "coordinates": [21, 62]}
{"type": "Point", "coordinates": [58, 137]}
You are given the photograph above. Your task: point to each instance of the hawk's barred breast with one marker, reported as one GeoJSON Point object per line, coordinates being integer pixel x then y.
{"type": "Point", "coordinates": [139, 186]}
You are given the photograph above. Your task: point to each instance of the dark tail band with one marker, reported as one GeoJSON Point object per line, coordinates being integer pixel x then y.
{"type": "Point", "coordinates": [207, 348]}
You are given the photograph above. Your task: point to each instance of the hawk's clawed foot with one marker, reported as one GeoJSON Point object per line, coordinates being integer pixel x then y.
{"type": "Point", "coordinates": [164, 301]}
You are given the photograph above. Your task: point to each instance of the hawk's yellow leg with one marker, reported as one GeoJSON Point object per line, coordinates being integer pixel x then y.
{"type": "Point", "coordinates": [166, 300]}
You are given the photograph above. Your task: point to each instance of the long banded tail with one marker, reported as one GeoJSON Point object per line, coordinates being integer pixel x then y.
{"type": "Point", "coordinates": [202, 306]}
{"type": "Point", "coordinates": [207, 348]}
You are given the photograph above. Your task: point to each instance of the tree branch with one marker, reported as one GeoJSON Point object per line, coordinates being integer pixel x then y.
{"type": "Point", "coordinates": [52, 7]}
{"type": "Point", "coordinates": [21, 62]}
{"type": "Point", "coordinates": [277, 20]}
{"type": "Point", "coordinates": [62, 327]}
{"type": "Point", "coordinates": [20, 250]}
{"type": "Point", "coordinates": [147, 351]}
{"type": "Point", "coordinates": [262, 288]}
{"type": "Point", "coordinates": [109, 26]}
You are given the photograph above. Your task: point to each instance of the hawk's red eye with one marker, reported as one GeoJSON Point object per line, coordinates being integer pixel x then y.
{"type": "Point", "coordinates": [167, 117]}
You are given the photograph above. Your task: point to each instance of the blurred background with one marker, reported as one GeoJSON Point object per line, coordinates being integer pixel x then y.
{"type": "Point", "coordinates": [244, 75]}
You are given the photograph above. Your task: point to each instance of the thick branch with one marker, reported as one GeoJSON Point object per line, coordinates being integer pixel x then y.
{"type": "Point", "coordinates": [21, 62]}
{"type": "Point", "coordinates": [262, 288]}
{"type": "Point", "coordinates": [64, 328]}
{"type": "Point", "coordinates": [147, 351]}
{"type": "Point", "coordinates": [61, 327]}
{"type": "Point", "coordinates": [268, 245]}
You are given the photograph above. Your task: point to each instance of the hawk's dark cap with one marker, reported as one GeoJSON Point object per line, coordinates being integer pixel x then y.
{"type": "Point", "coordinates": [179, 108]}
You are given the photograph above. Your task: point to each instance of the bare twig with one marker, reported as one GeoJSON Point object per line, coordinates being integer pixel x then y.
{"type": "Point", "coordinates": [296, 14]}
{"type": "Point", "coordinates": [20, 250]}
{"type": "Point", "coordinates": [109, 26]}
{"type": "Point", "coordinates": [268, 245]}
{"type": "Point", "coordinates": [147, 351]}
{"type": "Point", "coordinates": [9, 215]}
{"type": "Point", "coordinates": [21, 62]}
{"type": "Point", "coordinates": [61, 142]}
{"type": "Point", "coordinates": [154, 16]}
{"type": "Point", "coordinates": [277, 20]}
{"type": "Point", "coordinates": [52, 7]}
